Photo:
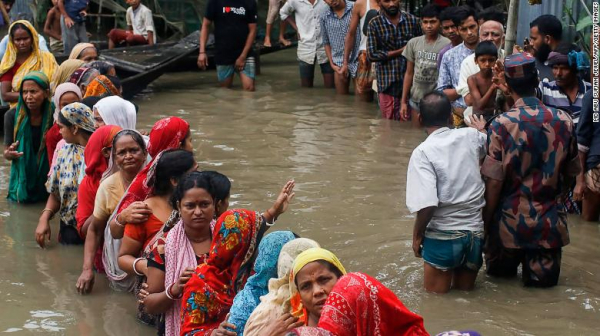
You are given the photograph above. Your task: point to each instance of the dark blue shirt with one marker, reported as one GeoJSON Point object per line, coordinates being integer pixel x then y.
{"type": "Point", "coordinates": [74, 7]}
{"type": "Point", "coordinates": [588, 132]}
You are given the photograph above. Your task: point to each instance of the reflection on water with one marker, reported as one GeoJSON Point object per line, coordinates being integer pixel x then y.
{"type": "Point", "coordinates": [350, 169]}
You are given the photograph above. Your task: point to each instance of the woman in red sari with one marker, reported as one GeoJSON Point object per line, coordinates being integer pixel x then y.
{"type": "Point", "coordinates": [210, 289]}
{"type": "Point", "coordinates": [359, 305]}
{"type": "Point", "coordinates": [168, 133]}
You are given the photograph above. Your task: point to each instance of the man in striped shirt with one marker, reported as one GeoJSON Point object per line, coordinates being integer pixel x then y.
{"type": "Point", "coordinates": [567, 90]}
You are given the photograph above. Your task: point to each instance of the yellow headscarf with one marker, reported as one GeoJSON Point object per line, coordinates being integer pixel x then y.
{"type": "Point", "coordinates": [38, 60]}
{"type": "Point", "coordinates": [64, 72]}
{"type": "Point", "coordinates": [303, 259]}
{"type": "Point", "coordinates": [78, 49]}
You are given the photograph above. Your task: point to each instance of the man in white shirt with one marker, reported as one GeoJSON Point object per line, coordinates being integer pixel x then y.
{"type": "Point", "coordinates": [311, 51]}
{"type": "Point", "coordinates": [140, 27]}
{"type": "Point", "coordinates": [445, 189]}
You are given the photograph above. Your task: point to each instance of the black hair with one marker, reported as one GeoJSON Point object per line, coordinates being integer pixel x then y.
{"type": "Point", "coordinates": [565, 48]}
{"type": "Point", "coordinates": [220, 184]}
{"type": "Point", "coordinates": [102, 66]}
{"type": "Point", "coordinates": [430, 11]}
{"type": "Point", "coordinates": [116, 81]}
{"type": "Point", "coordinates": [491, 14]}
{"type": "Point", "coordinates": [435, 109]}
{"type": "Point", "coordinates": [548, 25]}
{"type": "Point", "coordinates": [448, 13]}
{"type": "Point", "coordinates": [486, 48]}
{"type": "Point", "coordinates": [523, 87]}
{"type": "Point", "coordinates": [462, 13]}
{"type": "Point", "coordinates": [171, 165]}
{"type": "Point", "coordinates": [92, 100]}
{"type": "Point", "coordinates": [137, 137]}
{"type": "Point", "coordinates": [19, 26]}
{"type": "Point", "coordinates": [66, 122]}
{"type": "Point", "coordinates": [192, 180]}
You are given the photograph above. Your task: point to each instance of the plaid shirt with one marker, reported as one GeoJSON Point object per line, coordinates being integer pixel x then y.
{"type": "Point", "coordinates": [531, 149]}
{"type": "Point", "coordinates": [383, 37]}
{"type": "Point", "coordinates": [334, 31]}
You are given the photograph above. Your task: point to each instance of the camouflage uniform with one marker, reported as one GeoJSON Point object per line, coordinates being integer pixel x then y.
{"type": "Point", "coordinates": [531, 148]}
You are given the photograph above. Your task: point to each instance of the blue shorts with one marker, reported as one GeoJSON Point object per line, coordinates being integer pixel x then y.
{"type": "Point", "coordinates": [226, 71]}
{"type": "Point", "coordinates": [308, 70]}
{"type": "Point", "coordinates": [446, 250]}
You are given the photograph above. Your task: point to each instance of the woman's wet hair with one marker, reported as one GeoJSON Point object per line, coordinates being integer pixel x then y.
{"type": "Point", "coordinates": [193, 180]}
{"type": "Point", "coordinates": [103, 66]}
{"type": "Point", "coordinates": [64, 121]}
{"type": "Point", "coordinates": [486, 48]}
{"type": "Point", "coordinates": [220, 184]}
{"type": "Point", "coordinates": [17, 26]}
{"type": "Point", "coordinates": [172, 165]}
{"type": "Point", "coordinates": [136, 136]}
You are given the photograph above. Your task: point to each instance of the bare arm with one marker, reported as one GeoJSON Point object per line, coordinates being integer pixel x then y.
{"type": "Point", "coordinates": [48, 26]}
{"type": "Point", "coordinates": [424, 216]}
{"type": "Point", "coordinates": [204, 34]}
{"type": "Point", "coordinates": [151, 38]}
{"type": "Point", "coordinates": [61, 8]}
{"type": "Point", "coordinates": [408, 80]}
{"type": "Point", "coordinates": [130, 249]}
{"type": "Point", "coordinates": [43, 232]}
{"type": "Point", "coordinates": [7, 94]}
{"type": "Point", "coordinates": [350, 39]}
{"type": "Point", "coordinates": [249, 40]}
{"type": "Point", "coordinates": [480, 102]}
{"type": "Point", "coordinates": [95, 231]}
{"type": "Point", "coordinates": [330, 57]}
{"type": "Point", "coordinates": [451, 94]}
{"type": "Point", "coordinates": [157, 301]}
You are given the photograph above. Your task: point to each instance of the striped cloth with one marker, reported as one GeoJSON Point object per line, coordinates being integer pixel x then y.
{"type": "Point", "coordinates": [334, 30]}
{"type": "Point", "coordinates": [552, 95]}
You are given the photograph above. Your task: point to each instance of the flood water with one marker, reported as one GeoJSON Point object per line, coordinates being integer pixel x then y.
{"type": "Point", "coordinates": [350, 172]}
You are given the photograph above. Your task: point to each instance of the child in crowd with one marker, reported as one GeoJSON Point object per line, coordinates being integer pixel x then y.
{"type": "Point", "coordinates": [52, 28]}
{"type": "Point", "coordinates": [421, 55]}
{"type": "Point", "coordinates": [445, 189]}
{"type": "Point", "coordinates": [140, 27]}
{"type": "Point", "coordinates": [481, 87]}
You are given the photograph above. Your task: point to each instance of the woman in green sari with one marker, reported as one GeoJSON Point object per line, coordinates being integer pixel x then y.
{"type": "Point", "coordinates": [25, 130]}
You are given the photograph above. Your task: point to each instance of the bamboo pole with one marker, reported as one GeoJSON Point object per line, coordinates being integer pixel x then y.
{"type": "Point", "coordinates": [511, 27]}
{"type": "Point", "coordinates": [4, 14]}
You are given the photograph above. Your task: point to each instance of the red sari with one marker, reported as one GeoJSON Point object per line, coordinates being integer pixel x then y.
{"type": "Point", "coordinates": [208, 295]}
{"type": "Point", "coordinates": [359, 305]}
{"type": "Point", "coordinates": [166, 134]}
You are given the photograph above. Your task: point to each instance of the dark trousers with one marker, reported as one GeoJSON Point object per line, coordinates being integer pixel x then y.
{"type": "Point", "coordinates": [541, 267]}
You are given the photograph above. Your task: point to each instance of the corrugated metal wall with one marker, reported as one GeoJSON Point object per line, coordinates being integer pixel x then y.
{"type": "Point", "coordinates": [528, 13]}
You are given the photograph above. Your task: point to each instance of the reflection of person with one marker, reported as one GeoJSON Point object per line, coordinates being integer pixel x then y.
{"type": "Point", "coordinates": [140, 27]}
{"type": "Point", "coordinates": [447, 193]}
{"type": "Point", "coordinates": [72, 22]}
{"type": "Point", "coordinates": [24, 130]}
{"type": "Point", "coordinates": [22, 56]}
{"type": "Point", "coordinates": [524, 217]}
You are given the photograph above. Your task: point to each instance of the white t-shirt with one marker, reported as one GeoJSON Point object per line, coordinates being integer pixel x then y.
{"type": "Point", "coordinates": [141, 21]}
{"type": "Point", "coordinates": [444, 172]}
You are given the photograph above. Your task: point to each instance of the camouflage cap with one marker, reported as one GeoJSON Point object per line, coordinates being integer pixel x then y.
{"type": "Point", "coordinates": [519, 65]}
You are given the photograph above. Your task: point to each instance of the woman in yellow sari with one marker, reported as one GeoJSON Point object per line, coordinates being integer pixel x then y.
{"type": "Point", "coordinates": [23, 56]}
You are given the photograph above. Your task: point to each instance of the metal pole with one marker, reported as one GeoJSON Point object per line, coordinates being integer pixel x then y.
{"type": "Point", "coordinates": [511, 27]}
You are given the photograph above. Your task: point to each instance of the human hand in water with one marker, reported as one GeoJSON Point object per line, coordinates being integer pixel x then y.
{"type": "Point", "coordinates": [404, 110]}
{"type": "Point", "coordinates": [202, 61]}
{"type": "Point", "coordinates": [85, 283]}
{"type": "Point", "coordinates": [282, 325]}
{"type": "Point", "coordinates": [177, 288]}
{"type": "Point", "coordinates": [283, 200]}
{"type": "Point", "coordinates": [222, 329]}
{"type": "Point", "coordinates": [43, 232]}
{"type": "Point", "coordinates": [135, 213]}
{"type": "Point", "coordinates": [11, 153]}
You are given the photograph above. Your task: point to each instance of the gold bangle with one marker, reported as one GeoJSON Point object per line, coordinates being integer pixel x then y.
{"type": "Point", "coordinates": [52, 213]}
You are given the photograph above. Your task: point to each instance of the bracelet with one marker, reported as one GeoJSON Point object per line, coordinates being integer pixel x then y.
{"type": "Point", "coordinates": [51, 212]}
{"type": "Point", "coordinates": [202, 52]}
{"type": "Point", "coordinates": [272, 219]}
{"type": "Point", "coordinates": [117, 221]}
{"type": "Point", "coordinates": [134, 269]}
{"type": "Point", "coordinates": [170, 294]}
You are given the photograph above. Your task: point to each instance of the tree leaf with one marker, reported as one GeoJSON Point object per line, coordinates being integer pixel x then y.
{"type": "Point", "coordinates": [584, 23]}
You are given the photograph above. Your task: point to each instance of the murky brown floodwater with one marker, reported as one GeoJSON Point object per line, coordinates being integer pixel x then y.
{"type": "Point", "coordinates": [350, 171]}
